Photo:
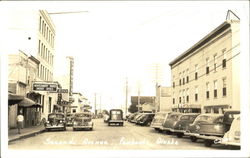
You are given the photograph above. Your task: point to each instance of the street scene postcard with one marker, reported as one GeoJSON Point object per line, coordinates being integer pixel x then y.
{"type": "Point", "coordinates": [125, 79]}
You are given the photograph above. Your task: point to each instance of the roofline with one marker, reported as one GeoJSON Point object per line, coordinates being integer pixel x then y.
{"type": "Point", "coordinates": [203, 41]}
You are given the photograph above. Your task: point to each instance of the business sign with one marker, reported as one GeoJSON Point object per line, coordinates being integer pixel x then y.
{"type": "Point", "coordinates": [52, 87]}
{"type": "Point", "coordinates": [62, 91]}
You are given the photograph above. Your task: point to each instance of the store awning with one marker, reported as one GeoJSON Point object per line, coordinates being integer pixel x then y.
{"type": "Point", "coordinates": [14, 98]}
{"type": "Point", "coordinates": [26, 102]}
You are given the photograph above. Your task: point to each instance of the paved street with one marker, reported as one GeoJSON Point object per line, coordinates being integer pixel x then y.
{"type": "Point", "coordinates": [129, 136]}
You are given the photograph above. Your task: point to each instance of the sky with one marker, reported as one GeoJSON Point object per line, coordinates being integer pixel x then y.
{"type": "Point", "coordinates": [112, 41]}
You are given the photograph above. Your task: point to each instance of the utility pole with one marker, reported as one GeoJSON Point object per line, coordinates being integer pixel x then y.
{"type": "Point", "coordinates": [100, 103]}
{"type": "Point", "coordinates": [139, 105]}
{"type": "Point", "coordinates": [126, 101]}
{"type": "Point", "coordinates": [95, 104]}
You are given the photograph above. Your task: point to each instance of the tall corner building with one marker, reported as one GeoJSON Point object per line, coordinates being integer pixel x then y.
{"type": "Point", "coordinates": [33, 32]}
{"type": "Point", "coordinates": [206, 77]}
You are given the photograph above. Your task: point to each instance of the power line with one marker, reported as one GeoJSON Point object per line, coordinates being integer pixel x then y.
{"type": "Point", "coordinates": [75, 12]}
{"type": "Point", "coordinates": [210, 70]}
{"type": "Point", "coordinates": [202, 66]}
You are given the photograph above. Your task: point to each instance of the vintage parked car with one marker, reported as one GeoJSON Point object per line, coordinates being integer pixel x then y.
{"type": "Point", "coordinates": [69, 119]}
{"type": "Point", "coordinates": [211, 127]}
{"type": "Point", "coordinates": [56, 121]}
{"type": "Point", "coordinates": [136, 117]}
{"type": "Point", "coordinates": [158, 120]}
{"type": "Point", "coordinates": [232, 137]}
{"type": "Point", "coordinates": [131, 117]}
{"type": "Point", "coordinates": [170, 121]}
{"type": "Point", "coordinates": [182, 123]}
{"type": "Point", "coordinates": [115, 117]}
{"type": "Point", "coordinates": [145, 119]}
{"type": "Point", "coordinates": [83, 121]}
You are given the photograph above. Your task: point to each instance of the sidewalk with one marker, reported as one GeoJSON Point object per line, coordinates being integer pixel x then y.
{"type": "Point", "coordinates": [25, 132]}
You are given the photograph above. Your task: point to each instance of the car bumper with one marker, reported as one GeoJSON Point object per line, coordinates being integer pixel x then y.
{"type": "Point", "coordinates": [54, 126]}
{"type": "Point", "coordinates": [156, 126]}
{"type": "Point", "coordinates": [116, 121]}
{"type": "Point", "coordinates": [215, 138]}
{"type": "Point", "coordinates": [191, 134]}
{"type": "Point", "coordinates": [177, 131]}
{"type": "Point", "coordinates": [229, 143]}
{"type": "Point", "coordinates": [87, 126]}
{"type": "Point", "coordinates": [165, 129]}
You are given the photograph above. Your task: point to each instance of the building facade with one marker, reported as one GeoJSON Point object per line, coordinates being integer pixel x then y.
{"type": "Point", "coordinates": [206, 77]}
{"type": "Point", "coordinates": [33, 32]}
{"type": "Point", "coordinates": [163, 99]}
{"type": "Point", "coordinates": [79, 103]}
{"type": "Point", "coordinates": [23, 71]}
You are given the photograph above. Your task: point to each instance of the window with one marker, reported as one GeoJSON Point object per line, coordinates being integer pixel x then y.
{"type": "Point", "coordinates": [207, 92]}
{"type": "Point", "coordinates": [187, 80]}
{"type": "Point", "coordinates": [180, 82]}
{"type": "Point", "coordinates": [39, 43]}
{"type": "Point", "coordinates": [173, 101]}
{"type": "Point", "coordinates": [40, 23]}
{"type": "Point", "coordinates": [207, 66]}
{"type": "Point", "coordinates": [173, 84]}
{"type": "Point", "coordinates": [180, 96]}
{"type": "Point", "coordinates": [215, 62]}
{"type": "Point", "coordinates": [196, 93]}
{"type": "Point", "coordinates": [183, 95]}
{"type": "Point", "coordinates": [196, 72]}
{"type": "Point", "coordinates": [187, 97]}
{"type": "Point", "coordinates": [224, 61]}
{"type": "Point", "coordinates": [224, 89]}
{"type": "Point", "coordinates": [215, 89]}
{"type": "Point", "coordinates": [183, 80]}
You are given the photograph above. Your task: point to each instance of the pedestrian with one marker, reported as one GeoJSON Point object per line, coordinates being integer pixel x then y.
{"type": "Point", "coordinates": [19, 122]}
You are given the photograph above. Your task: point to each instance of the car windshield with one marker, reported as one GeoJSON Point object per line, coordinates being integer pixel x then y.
{"type": "Point", "coordinates": [51, 116]}
{"type": "Point", "coordinates": [185, 117]}
{"type": "Point", "coordinates": [82, 115]}
{"type": "Point", "coordinates": [115, 112]}
{"type": "Point", "coordinates": [160, 116]}
{"type": "Point", "coordinates": [174, 117]}
{"type": "Point", "coordinates": [205, 118]}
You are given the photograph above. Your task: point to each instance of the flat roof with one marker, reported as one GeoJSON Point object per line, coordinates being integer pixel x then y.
{"type": "Point", "coordinates": [225, 25]}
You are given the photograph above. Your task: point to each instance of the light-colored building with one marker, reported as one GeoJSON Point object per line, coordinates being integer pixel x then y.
{"type": "Point", "coordinates": [33, 32]}
{"type": "Point", "coordinates": [79, 103]}
{"type": "Point", "coordinates": [163, 99]}
{"type": "Point", "coordinates": [206, 77]}
{"type": "Point", "coordinates": [22, 71]}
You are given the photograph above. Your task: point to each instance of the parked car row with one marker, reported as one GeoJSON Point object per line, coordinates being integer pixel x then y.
{"type": "Point", "coordinates": [143, 119]}
{"type": "Point", "coordinates": [77, 121]}
{"type": "Point", "coordinates": [212, 128]}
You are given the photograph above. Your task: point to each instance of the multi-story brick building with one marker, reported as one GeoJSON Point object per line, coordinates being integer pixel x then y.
{"type": "Point", "coordinates": [206, 77]}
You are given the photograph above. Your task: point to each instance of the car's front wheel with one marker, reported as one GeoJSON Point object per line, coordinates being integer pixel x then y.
{"type": "Point", "coordinates": [193, 139]}
{"type": "Point", "coordinates": [208, 143]}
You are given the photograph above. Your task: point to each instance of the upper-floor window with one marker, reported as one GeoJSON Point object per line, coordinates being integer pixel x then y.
{"type": "Point", "coordinates": [183, 77]}
{"type": "Point", "coordinates": [187, 97]}
{"type": "Point", "coordinates": [187, 72]}
{"type": "Point", "coordinates": [196, 72]}
{"type": "Point", "coordinates": [215, 62]}
{"type": "Point", "coordinates": [196, 93]}
{"type": "Point", "coordinates": [224, 89]}
{"type": "Point", "coordinates": [215, 89]}
{"type": "Point", "coordinates": [207, 66]}
{"type": "Point", "coordinates": [224, 61]}
{"type": "Point", "coordinates": [207, 91]}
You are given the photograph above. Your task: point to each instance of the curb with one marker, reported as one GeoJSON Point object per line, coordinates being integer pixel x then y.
{"type": "Point", "coordinates": [27, 135]}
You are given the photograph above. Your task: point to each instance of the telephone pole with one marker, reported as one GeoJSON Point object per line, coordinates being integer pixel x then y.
{"type": "Point", "coordinates": [95, 105]}
{"type": "Point", "coordinates": [126, 101]}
